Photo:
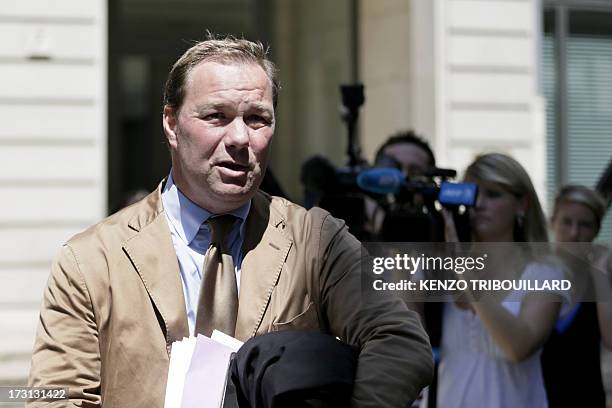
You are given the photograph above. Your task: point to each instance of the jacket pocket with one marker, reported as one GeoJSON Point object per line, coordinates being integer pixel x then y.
{"type": "Point", "coordinates": [306, 320]}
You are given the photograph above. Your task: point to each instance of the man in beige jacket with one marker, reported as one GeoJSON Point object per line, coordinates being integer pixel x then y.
{"type": "Point", "coordinates": [122, 291]}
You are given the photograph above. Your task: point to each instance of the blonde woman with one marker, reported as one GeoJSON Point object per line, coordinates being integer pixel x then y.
{"type": "Point", "coordinates": [490, 352]}
{"type": "Point", "coordinates": [574, 346]}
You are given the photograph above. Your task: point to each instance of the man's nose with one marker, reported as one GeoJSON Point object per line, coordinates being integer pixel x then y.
{"type": "Point", "coordinates": [237, 134]}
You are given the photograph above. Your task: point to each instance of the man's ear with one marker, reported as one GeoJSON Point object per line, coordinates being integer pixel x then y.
{"type": "Point", "coordinates": [169, 122]}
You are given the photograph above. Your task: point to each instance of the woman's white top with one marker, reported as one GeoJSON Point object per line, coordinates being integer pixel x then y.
{"type": "Point", "coordinates": [473, 371]}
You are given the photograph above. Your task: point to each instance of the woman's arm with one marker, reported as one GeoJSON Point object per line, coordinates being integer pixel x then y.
{"type": "Point", "coordinates": [520, 336]}
{"type": "Point", "coordinates": [517, 336]}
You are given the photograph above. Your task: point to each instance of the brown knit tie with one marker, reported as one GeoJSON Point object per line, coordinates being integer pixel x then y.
{"type": "Point", "coordinates": [218, 301]}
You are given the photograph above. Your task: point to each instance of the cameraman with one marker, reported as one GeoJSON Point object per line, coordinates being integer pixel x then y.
{"type": "Point", "coordinates": [406, 151]}
{"type": "Point", "coordinates": [410, 153]}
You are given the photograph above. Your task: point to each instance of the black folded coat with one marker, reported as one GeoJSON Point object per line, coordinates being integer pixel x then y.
{"type": "Point", "coordinates": [292, 369]}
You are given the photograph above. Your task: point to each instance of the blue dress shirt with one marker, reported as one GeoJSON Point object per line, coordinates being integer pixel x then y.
{"type": "Point", "coordinates": [191, 238]}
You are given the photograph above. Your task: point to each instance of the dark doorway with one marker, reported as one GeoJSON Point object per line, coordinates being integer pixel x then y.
{"type": "Point", "coordinates": [145, 38]}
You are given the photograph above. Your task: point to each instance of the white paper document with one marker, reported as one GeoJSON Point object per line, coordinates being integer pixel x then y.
{"type": "Point", "coordinates": [198, 371]}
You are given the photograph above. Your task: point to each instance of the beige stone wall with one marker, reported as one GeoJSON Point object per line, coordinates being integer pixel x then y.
{"type": "Point", "coordinates": [397, 68]}
{"type": "Point", "coordinates": [52, 152]}
{"type": "Point", "coordinates": [312, 47]}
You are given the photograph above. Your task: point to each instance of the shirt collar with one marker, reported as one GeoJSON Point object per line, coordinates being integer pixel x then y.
{"type": "Point", "coordinates": [187, 217]}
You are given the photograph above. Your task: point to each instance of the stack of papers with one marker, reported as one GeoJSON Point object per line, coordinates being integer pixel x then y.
{"type": "Point", "coordinates": [198, 371]}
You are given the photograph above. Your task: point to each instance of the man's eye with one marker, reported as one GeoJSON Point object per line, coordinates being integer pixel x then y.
{"type": "Point", "coordinates": [256, 119]}
{"type": "Point", "coordinates": [214, 116]}
{"type": "Point", "coordinates": [492, 193]}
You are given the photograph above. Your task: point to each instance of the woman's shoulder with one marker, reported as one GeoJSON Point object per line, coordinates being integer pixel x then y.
{"type": "Point", "coordinates": [545, 268]}
{"type": "Point", "coordinates": [550, 275]}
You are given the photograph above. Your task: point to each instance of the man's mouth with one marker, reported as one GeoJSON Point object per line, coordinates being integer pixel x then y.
{"type": "Point", "coordinates": [234, 166]}
{"type": "Point", "coordinates": [233, 169]}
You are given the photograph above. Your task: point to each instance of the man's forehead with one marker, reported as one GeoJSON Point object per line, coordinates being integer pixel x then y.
{"type": "Point", "coordinates": [227, 70]}
{"type": "Point", "coordinates": [215, 103]}
{"type": "Point", "coordinates": [407, 151]}
{"type": "Point", "coordinates": [211, 77]}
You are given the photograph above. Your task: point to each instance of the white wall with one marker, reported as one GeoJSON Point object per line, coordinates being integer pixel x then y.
{"type": "Point", "coordinates": [52, 152]}
{"type": "Point", "coordinates": [487, 85]}
{"type": "Point", "coordinates": [462, 73]}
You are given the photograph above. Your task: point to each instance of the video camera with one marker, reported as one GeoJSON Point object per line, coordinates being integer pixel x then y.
{"type": "Point", "coordinates": [410, 205]}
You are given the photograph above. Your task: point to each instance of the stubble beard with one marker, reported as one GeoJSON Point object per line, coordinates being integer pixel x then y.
{"type": "Point", "coordinates": [226, 190]}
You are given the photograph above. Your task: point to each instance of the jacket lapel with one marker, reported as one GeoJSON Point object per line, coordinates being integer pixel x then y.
{"type": "Point", "coordinates": [265, 250]}
{"type": "Point", "coordinates": [152, 253]}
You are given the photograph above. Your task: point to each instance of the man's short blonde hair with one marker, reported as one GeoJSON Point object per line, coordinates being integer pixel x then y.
{"type": "Point", "coordinates": [223, 50]}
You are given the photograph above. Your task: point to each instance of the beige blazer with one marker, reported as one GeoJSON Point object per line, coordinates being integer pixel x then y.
{"type": "Point", "coordinates": [114, 304]}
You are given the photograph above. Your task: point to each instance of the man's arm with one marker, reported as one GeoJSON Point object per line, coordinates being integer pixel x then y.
{"type": "Point", "coordinates": [66, 351]}
{"type": "Point", "coordinates": [395, 359]}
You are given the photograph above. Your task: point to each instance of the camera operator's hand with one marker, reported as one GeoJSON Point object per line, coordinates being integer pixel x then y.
{"type": "Point", "coordinates": [464, 301]}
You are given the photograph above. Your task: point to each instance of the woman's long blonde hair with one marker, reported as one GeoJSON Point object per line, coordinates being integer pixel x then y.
{"type": "Point", "coordinates": [503, 170]}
